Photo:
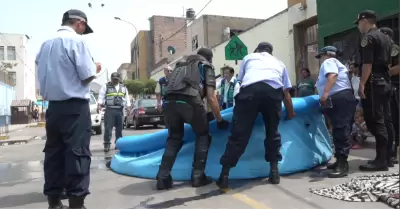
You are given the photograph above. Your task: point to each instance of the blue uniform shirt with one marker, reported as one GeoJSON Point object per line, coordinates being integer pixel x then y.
{"type": "Point", "coordinates": [263, 67]}
{"type": "Point", "coordinates": [63, 62]}
{"type": "Point", "coordinates": [332, 65]}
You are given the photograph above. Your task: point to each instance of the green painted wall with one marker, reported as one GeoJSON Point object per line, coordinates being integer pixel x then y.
{"type": "Point", "coordinates": [335, 16]}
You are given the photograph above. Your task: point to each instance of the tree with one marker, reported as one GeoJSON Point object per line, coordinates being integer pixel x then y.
{"type": "Point", "coordinates": [150, 86]}
{"type": "Point", "coordinates": [135, 87]}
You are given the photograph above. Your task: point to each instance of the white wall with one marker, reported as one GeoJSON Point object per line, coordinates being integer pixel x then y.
{"type": "Point", "coordinates": [297, 15]}
{"type": "Point", "coordinates": [25, 69]}
{"type": "Point", "coordinates": [275, 31]}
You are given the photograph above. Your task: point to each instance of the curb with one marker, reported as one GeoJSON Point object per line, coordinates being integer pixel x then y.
{"type": "Point", "coordinates": [18, 141]}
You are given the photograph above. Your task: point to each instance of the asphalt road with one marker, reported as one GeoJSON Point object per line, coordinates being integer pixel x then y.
{"type": "Point", "coordinates": [21, 183]}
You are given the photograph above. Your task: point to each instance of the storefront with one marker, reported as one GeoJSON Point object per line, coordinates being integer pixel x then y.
{"type": "Point", "coordinates": [335, 22]}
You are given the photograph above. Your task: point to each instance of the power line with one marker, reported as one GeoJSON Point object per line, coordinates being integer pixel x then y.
{"type": "Point", "coordinates": [185, 26]}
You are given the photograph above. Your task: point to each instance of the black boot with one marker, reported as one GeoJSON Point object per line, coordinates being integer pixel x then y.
{"type": "Point", "coordinates": [164, 179]}
{"type": "Point", "coordinates": [390, 163]}
{"type": "Point", "coordinates": [222, 181]}
{"type": "Point", "coordinates": [342, 168]}
{"type": "Point", "coordinates": [107, 148]}
{"type": "Point", "coordinates": [274, 173]}
{"type": "Point", "coordinates": [199, 178]}
{"type": "Point", "coordinates": [64, 195]}
{"type": "Point", "coordinates": [164, 183]}
{"type": "Point", "coordinates": [376, 166]}
{"type": "Point", "coordinates": [55, 203]}
{"type": "Point", "coordinates": [332, 166]}
{"type": "Point", "coordinates": [77, 203]}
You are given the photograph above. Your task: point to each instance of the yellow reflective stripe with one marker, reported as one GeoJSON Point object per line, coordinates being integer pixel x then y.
{"type": "Point", "coordinates": [115, 94]}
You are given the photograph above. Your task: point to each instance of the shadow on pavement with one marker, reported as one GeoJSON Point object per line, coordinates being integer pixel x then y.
{"type": "Point", "coordinates": [21, 199]}
{"type": "Point", "coordinates": [147, 188]}
{"type": "Point", "coordinates": [177, 201]}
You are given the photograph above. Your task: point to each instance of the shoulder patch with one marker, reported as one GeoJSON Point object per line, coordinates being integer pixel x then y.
{"type": "Point", "coordinates": [395, 50]}
{"type": "Point", "coordinates": [364, 41]}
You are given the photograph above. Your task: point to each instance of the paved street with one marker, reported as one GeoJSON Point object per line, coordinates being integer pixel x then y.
{"type": "Point", "coordinates": [21, 182]}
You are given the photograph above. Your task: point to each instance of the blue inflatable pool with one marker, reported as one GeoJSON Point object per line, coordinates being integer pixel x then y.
{"type": "Point", "coordinates": [305, 144]}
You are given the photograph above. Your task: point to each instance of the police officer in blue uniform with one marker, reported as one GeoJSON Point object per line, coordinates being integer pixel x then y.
{"type": "Point", "coordinates": [188, 84]}
{"type": "Point", "coordinates": [394, 101]}
{"type": "Point", "coordinates": [160, 88]}
{"type": "Point", "coordinates": [114, 95]}
{"type": "Point", "coordinates": [375, 88]}
{"type": "Point", "coordinates": [264, 85]}
{"type": "Point", "coordinates": [65, 69]}
{"type": "Point", "coordinates": [339, 105]}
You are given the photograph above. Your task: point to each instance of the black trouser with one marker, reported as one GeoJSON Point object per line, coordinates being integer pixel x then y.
{"type": "Point", "coordinates": [251, 100]}
{"type": "Point", "coordinates": [395, 117]}
{"type": "Point", "coordinates": [67, 150]}
{"type": "Point", "coordinates": [113, 117]}
{"type": "Point", "coordinates": [375, 106]}
{"type": "Point", "coordinates": [178, 111]}
{"type": "Point", "coordinates": [341, 118]}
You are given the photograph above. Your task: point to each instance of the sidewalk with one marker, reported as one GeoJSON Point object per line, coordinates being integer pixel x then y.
{"type": "Point", "coordinates": [22, 134]}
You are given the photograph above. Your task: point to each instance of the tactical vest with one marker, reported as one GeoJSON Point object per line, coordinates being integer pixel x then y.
{"type": "Point", "coordinates": [114, 98]}
{"type": "Point", "coordinates": [230, 93]}
{"type": "Point", "coordinates": [188, 78]}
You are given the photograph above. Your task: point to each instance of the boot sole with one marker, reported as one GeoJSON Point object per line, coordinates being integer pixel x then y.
{"type": "Point", "coordinates": [222, 187]}
{"type": "Point", "coordinates": [201, 184]}
{"type": "Point", "coordinates": [337, 176]}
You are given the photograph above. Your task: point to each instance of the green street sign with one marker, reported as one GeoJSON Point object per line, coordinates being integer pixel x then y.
{"type": "Point", "coordinates": [235, 49]}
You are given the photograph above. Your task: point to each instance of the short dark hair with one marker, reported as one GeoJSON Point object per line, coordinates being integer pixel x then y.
{"type": "Point", "coordinates": [231, 70]}
{"type": "Point", "coordinates": [307, 71]}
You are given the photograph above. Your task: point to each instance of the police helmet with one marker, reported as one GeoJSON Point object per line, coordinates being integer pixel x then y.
{"type": "Point", "coordinates": [264, 46]}
{"type": "Point", "coordinates": [115, 75]}
{"type": "Point", "coordinates": [387, 31]}
{"type": "Point", "coordinates": [328, 50]}
{"type": "Point", "coordinates": [206, 53]}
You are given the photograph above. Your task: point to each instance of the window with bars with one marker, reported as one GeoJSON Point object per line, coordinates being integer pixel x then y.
{"type": "Point", "coordinates": [2, 53]}
{"type": "Point", "coordinates": [11, 53]}
{"type": "Point", "coordinates": [195, 43]}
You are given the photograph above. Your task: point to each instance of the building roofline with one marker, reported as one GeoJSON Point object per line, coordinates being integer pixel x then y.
{"type": "Point", "coordinates": [254, 26]}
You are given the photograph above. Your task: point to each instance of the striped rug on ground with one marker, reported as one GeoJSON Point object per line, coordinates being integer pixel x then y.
{"type": "Point", "coordinates": [371, 188]}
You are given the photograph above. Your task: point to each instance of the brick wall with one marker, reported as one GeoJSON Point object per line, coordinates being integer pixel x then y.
{"type": "Point", "coordinates": [163, 27]}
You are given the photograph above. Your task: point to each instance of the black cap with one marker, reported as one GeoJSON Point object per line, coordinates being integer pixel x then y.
{"type": "Point", "coordinates": [367, 14]}
{"type": "Point", "coordinates": [387, 31]}
{"type": "Point", "coordinates": [206, 53]}
{"type": "Point", "coordinates": [264, 46]}
{"type": "Point", "coordinates": [77, 14]}
{"type": "Point", "coordinates": [115, 75]}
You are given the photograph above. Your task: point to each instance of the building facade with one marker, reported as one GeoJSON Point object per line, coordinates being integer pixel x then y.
{"type": "Point", "coordinates": [342, 33]}
{"type": "Point", "coordinates": [141, 56]}
{"type": "Point", "coordinates": [166, 32]}
{"type": "Point", "coordinates": [124, 71]}
{"type": "Point", "coordinates": [22, 75]}
{"type": "Point", "coordinates": [210, 30]}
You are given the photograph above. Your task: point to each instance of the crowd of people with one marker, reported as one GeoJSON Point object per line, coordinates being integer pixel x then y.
{"type": "Point", "coordinates": [188, 95]}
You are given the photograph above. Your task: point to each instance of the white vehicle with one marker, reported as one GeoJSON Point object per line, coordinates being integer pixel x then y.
{"type": "Point", "coordinates": [97, 124]}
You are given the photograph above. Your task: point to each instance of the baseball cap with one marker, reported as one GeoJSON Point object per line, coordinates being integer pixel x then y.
{"type": "Point", "coordinates": [387, 31]}
{"type": "Point", "coordinates": [367, 14]}
{"type": "Point", "coordinates": [264, 46]}
{"type": "Point", "coordinates": [331, 50]}
{"type": "Point", "coordinates": [115, 75]}
{"type": "Point", "coordinates": [77, 14]}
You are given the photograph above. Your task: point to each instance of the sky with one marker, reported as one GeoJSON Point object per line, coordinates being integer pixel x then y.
{"type": "Point", "coordinates": [110, 42]}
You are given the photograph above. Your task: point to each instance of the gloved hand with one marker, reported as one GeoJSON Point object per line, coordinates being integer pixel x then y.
{"type": "Point", "coordinates": [223, 124]}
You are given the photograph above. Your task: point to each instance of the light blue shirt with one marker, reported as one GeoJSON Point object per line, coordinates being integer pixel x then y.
{"type": "Point", "coordinates": [63, 62]}
{"type": "Point", "coordinates": [263, 67]}
{"type": "Point", "coordinates": [332, 65]}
